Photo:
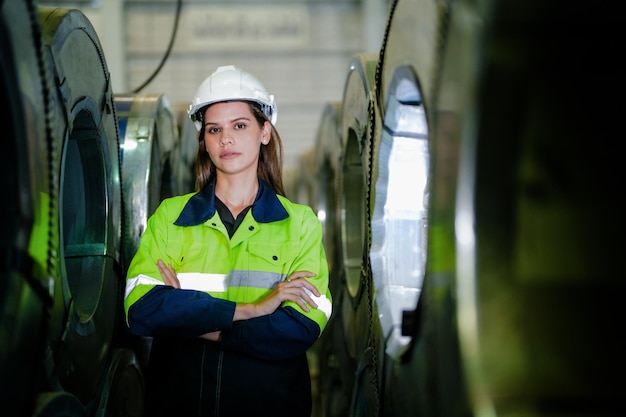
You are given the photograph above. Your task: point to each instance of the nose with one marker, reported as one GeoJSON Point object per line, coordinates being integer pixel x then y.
{"type": "Point", "coordinates": [226, 138]}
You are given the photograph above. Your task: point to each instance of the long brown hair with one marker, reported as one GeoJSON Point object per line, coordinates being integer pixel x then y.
{"type": "Point", "coordinates": [270, 166]}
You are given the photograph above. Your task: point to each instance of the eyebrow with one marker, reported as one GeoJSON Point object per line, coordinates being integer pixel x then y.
{"type": "Point", "coordinates": [238, 119]}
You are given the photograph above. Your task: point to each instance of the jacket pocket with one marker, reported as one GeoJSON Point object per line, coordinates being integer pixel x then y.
{"type": "Point", "coordinates": [197, 257]}
{"type": "Point", "coordinates": [272, 256]}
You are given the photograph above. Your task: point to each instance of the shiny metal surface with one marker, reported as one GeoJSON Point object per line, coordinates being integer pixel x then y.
{"type": "Point", "coordinates": [358, 123]}
{"type": "Point", "coordinates": [536, 277]}
{"type": "Point", "coordinates": [334, 375]}
{"type": "Point", "coordinates": [412, 40]}
{"type": "Point", "coordinates": [86, 203]}
{"type": "Point", "coordinates": [358, 99]}
{"type": "Point", "coordinates": [324, 202]}
{"type": "Point", "coordinates": [24, 223]}
{"type": "Point", "coordinates": [399, 221]}
{"type": "Point", "coordinates": [149, 144]}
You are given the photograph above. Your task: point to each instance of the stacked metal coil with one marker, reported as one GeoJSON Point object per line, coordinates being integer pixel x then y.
{"type": "Point", "coordinates": [69, 231]}
{"type": "Point", "coordinates": [24, 273]}
{"type": "Point", "coordinates": [477, 207]}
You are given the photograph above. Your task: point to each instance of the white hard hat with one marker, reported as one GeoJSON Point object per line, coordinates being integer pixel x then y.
{"type": "Point", "coordinates": [229, 83]}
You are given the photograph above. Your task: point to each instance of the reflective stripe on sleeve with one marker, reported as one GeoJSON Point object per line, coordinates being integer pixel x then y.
{"type": "Point", "coordinates": [203, 282]}
{"type": "Point", "coordinates": [139, 280]}
{"type": "Point", "coordinates": [323, 303]}
{"type": "Point", "coordinates": [188, 281]}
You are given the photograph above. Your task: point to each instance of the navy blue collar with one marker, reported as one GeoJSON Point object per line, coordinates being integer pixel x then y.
{"type": "Point", "coordinates": [266, 208]}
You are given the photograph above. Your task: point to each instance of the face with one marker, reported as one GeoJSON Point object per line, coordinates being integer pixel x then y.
{"type": "Point", "coordinates": [233, 137]}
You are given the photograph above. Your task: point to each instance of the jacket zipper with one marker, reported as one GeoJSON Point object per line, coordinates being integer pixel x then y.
{"type": "Point", "coordinates": [218, 384]}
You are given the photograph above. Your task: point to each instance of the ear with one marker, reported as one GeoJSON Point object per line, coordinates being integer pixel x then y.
{"type": "Point", "coordinates": [266, 133]}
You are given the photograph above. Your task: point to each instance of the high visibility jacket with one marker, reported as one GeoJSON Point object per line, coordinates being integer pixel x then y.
{"type": "Point", "coordinates": [258, 363]}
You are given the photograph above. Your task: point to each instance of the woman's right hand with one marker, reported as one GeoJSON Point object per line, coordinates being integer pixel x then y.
{"type": "Point", "coordinates": [168, 274]}
{"type": "Point", "coordinates": [295, 288]}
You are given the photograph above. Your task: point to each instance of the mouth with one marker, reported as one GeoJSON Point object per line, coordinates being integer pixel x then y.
{"type": "Point", "coordinates": [229, 155]}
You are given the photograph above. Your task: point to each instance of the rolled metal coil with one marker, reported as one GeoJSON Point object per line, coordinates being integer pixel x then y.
{"type": "Point", "coordinates": [85, 207]}
{"type": "Point", "coordinates": [24, 274]}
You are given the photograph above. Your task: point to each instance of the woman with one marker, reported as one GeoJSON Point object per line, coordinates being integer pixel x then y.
{"type": "Point", "coordinates": [230, 281]}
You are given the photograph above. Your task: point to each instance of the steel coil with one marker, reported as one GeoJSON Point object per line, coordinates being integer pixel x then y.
{"type": "Point", "coordinates": [536, 280]}
{"type": "Point", "coordinates": [149, 143]}
{"type": "Point", "coordinates": [122, 387]}
{"type": "Point", "coordinates": [24, 278]}
{"type": "Point", "coordinates": [359, 120]}
{"type": "Point", "coordinates": [336, 366]}
{"type": "Point", "coordinates": [412, 38]}
{"type": "Point", "coordinates": [86, 206]}
{"type": "Point", "coordinates": [328, 146]}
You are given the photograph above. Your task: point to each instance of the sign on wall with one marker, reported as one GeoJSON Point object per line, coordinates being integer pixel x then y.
{"type": "Point", "coordinates": [206, 27]}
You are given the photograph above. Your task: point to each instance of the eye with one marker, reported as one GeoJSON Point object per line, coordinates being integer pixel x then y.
{"type": "Point", "coordinates": [212, 130]}
{"type": "Point", "coordinates": [239, 126]}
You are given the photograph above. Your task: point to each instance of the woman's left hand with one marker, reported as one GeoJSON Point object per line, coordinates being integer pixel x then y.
{"type": "Point", "coordinates": [168, 274]}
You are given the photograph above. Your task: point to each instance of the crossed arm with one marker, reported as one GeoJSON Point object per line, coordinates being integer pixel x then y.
{"type": "Point", "coordinates": [295, 288]}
